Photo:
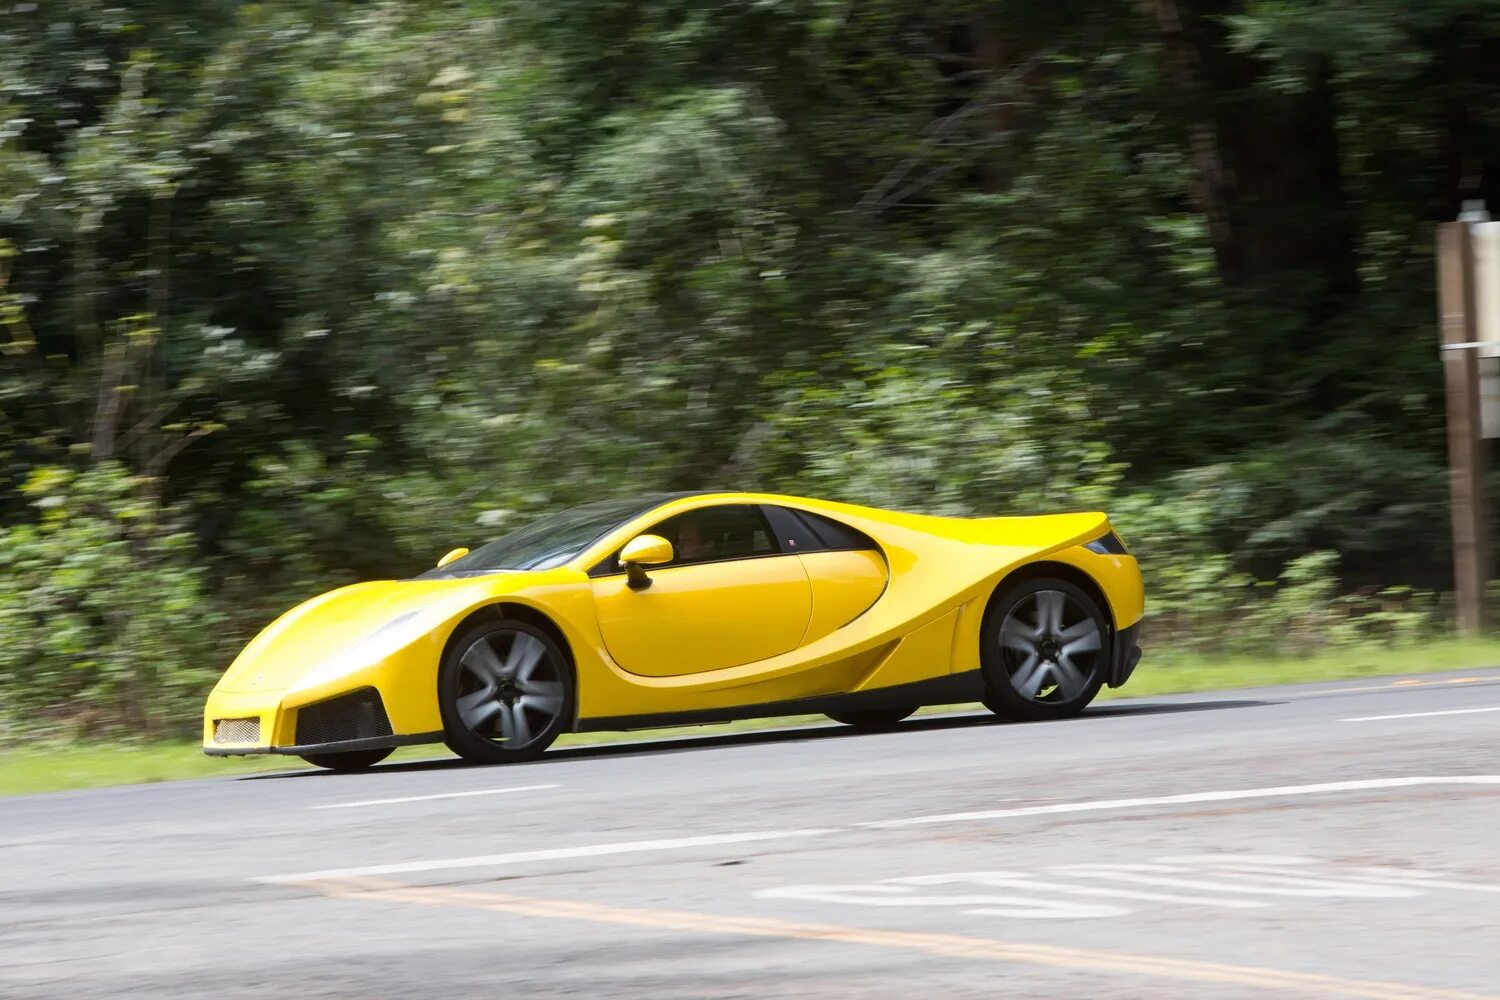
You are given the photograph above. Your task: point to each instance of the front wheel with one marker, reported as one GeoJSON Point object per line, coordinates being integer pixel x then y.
{"type": "Point", "coordinates": [505, 690]}
{"type": "Point", "coordinates": [348, 760]}
{"type": "Point", "coordinates": [872, 718]}
{"type": "Point", "coordinates": [1044, 650]}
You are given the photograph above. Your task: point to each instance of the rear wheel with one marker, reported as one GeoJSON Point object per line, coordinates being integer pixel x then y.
{"type": "Point", "coordinates": [872, 718]}
{"type": "Point", "coordinates": [1044, 649]}
{"type": "Point", "coordinates": [348, 760]}
{"type": "Point", "coordinates": [505, 690]}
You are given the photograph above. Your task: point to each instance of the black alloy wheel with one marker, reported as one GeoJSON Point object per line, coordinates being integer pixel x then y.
{"type": "Point", "coordinates": [506, 691]}
{"type": "Point", "coordinates": [1044, 650]}
{"type": "Point", "coordinates": [872, 718]}
{"type": "Point", "coordinates": [349, 760]}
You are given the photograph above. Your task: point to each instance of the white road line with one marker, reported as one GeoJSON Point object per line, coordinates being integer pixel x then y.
{"type": "Point", "coordinates": [1401, 685]}
{"type": "Point", "coordinates": [429, 798]}
{"type": "Point", "coordinates": [1026, 883]}
{"type": "Point", "coordinates": [1274, 792]}
{"type": "Point", "coordinates": [551, 854]}
{"type": "Point", "coordinates": [1421, 715]}
{"type": "Point", "coordinates": [684, 843]}
{"type": "Point", "coordinates": [1422, 880]}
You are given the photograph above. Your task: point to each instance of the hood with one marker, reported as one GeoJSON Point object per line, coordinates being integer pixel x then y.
{"type": "Point", "coordinates": [334, 624]}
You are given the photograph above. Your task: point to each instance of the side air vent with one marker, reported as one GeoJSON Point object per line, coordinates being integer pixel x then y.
{"type": "Point", "coordinates": [357, 716]}
{"type": "Point", "coordinates": [1107, 545]}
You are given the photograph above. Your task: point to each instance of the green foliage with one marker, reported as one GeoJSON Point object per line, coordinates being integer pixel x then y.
{"type": "Point", "coordinates": [109, 624]}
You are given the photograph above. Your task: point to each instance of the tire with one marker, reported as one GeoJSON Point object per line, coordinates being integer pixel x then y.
{"type": "Point", "coordinates": [506, 691]}
{"type": "Point", "coordinates": [349, 760]}
{"type": "Point", "coordinates": [1044, 651]}
{"type": "Point", "coordinates": [872, 718]}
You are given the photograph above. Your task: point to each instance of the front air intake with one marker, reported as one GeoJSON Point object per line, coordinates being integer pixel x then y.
{"type": "Point", "coordinates": [357, 716]}
{"type": "Point", "coordinates": [237, 730]}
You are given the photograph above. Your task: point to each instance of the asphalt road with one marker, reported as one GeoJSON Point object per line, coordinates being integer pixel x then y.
{"type": "Point", "coordinates": [1327, 840]}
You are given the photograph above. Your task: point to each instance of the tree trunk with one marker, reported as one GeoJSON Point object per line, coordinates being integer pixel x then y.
{"type": "Point", "coordinates": [1208, 184]}
{"type": "Point", "coordinates": [1470, 74]}
{"type": "Point", "coordinates": [1268, 177]}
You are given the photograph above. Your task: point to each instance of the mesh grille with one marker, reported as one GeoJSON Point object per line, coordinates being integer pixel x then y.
{"type": "Point", "coordinates": [357, 716]}
{"type": "Point", "coordinates": [237, 730]}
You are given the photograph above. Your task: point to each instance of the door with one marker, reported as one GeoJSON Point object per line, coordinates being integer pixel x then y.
{"type": "Point", "coordinates": [845, 567]}
{"type": "Point", "coordinates": [730, 596]}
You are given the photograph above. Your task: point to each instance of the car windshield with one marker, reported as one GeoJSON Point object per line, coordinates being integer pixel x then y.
{"type": "Point", "coordinates": [551, 541]}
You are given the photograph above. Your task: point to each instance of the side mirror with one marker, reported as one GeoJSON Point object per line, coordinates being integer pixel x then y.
{"type": "Point", "coordinates": [643, 550]}
{"type": "Point", "coordinates": [455, 554]}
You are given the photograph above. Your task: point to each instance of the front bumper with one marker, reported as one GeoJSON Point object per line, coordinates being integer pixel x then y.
{"type": "Point", "coordinates": [343, 746]}
{"type": "Point", "coordinates": [245, 723]}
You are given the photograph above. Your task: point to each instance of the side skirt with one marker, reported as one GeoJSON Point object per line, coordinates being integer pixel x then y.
{"type": "Point", "coordinates": [967, 686]}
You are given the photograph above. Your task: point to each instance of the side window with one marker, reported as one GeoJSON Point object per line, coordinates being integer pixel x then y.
{"type": "Point", "coordinates": [793, 533]}
{"type": "Point", "coordinates": [711, 534]}
{"type": "Point", "coordinates": [834, 535]}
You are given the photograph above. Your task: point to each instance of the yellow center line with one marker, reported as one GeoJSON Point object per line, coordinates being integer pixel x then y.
{"type": "Point", "coordinates": [946, 945]}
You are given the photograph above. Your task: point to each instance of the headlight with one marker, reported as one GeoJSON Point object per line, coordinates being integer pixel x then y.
{"type": "Point", "coordinates": [1107, 545]}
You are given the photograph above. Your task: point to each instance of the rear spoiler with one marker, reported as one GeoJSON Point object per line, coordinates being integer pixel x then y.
{"type": "Point", "coordinates": [1046, 533]}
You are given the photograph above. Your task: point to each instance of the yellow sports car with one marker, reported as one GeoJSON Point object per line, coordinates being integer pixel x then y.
{"type": "Point", "coordinates": [686, 609]}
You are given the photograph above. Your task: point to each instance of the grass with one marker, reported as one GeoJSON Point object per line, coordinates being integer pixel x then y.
{"type": "Point", "coordinates": [1172, 674]}
{"type": "Point", "coordinates": [52, 768]}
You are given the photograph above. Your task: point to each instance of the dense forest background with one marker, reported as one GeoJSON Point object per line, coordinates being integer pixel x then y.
{"type": "Point", "coordinates": [301, 292]}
